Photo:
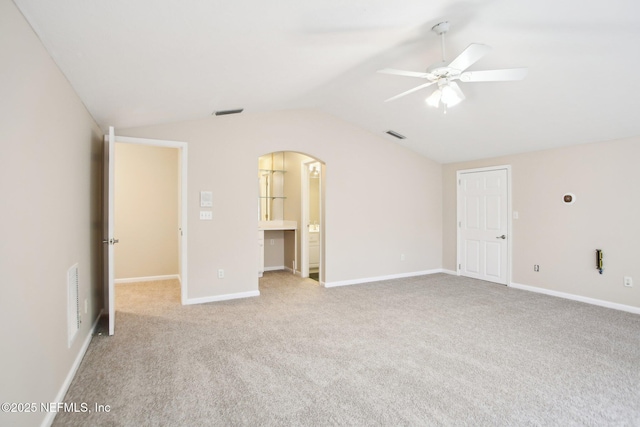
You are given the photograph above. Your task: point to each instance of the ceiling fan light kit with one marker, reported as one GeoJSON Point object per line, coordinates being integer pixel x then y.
{"type": "Point", "coordinates": [444, 74]}
{"type": "Point", "coordinates": [448, 93]}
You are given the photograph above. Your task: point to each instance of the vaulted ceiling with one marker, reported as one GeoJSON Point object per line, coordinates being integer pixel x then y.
{"type": "Point", "coordinates": [142, 62]}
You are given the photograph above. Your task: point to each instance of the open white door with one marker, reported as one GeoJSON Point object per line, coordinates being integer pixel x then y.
{"type": "Point", "coordinates": [108, 227]}
{"type": "Point", "coordinates": [484, 224]}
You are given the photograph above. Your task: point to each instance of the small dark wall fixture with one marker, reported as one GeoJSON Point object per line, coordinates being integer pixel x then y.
{"type": "Point", "coordinates": [599, 260]}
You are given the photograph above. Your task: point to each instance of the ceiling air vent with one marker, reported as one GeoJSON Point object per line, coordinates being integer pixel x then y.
{"type": "Point", "coordinates": [396, 134]}
{"type": "Point", "coordinates": [225, 112]}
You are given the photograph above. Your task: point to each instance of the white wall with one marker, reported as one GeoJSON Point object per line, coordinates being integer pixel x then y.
{"type": "Point", "coordinates": [50, 184]}
{"type": "Point", "coordinates": [562, 239]}
{"type": "Point", "coordinates": [146, 211]}
{"type": "Point", "coordinates": [382, 200]}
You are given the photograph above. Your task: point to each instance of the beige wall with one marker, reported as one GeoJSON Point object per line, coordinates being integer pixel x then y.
{"type": "Point", "coordinates": [146, 211]}
{"type": "Point", "coordinates": [274, 249]}
{"type": "Point", "coordinates": [50, 179]}
{"type": "Point", "coordinates": [381, 199]}
{"type": "Point", "coordinates": [561, 238]}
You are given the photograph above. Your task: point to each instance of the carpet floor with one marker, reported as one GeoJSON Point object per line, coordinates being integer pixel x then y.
{"type": "Point", "coordinates": [430, 350]}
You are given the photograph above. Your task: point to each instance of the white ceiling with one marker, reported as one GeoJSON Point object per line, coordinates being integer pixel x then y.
{"type": "Point", "coordinates": [142, 62]}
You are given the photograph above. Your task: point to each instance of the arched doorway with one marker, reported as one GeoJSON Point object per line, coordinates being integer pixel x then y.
{"type": "Point", "coordinates": [291, 190]}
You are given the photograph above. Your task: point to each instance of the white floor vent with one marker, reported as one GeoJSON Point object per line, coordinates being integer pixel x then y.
{"type": "Point", "coordinates": [73, 303]}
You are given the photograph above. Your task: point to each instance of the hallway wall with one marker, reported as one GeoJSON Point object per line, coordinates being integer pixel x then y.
{"type": "Point", "coordinates": [146, 211]}
{"type": "Point", "coordinates": [50, 182]}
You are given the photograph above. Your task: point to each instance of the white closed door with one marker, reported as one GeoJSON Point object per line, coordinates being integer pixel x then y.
{"type": "Point", "coordinates": [483, 225]}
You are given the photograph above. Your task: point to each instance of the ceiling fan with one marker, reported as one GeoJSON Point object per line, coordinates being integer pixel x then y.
{"type": "Point", "coordinates": [444, 74]}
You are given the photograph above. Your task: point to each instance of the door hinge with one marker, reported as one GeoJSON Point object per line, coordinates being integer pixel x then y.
{"type": "Point", "coordinates": [459, 182]}
{"type": "Point", "coordinates": [459, 224]}
{"type": "Point", "coordinates": [110, 241]}
{"type": "Point", "coordinates": [459, 266]}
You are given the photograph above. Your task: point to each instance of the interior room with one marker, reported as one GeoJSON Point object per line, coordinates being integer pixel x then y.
{"type": "Point", "coordinates": [442, 194]}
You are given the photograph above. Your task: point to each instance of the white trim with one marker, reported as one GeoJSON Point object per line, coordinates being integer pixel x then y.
{"type": "Point", "coordinates": [147, 278]}
{"type": "Point", "coordinates": [305, 198]}
{"type": "Point", "coordinates": [451, 272]}
{"type": "Point", "coordinates": [48, 419]}
{"type": "Point", "coordinates": [148, 141]}
{"type": "Point", "coordinates": [225, 297]}
{"type": "Point", "coordinates": [380, 278]}
{"type": "Point", "coordinates": [304, 218]}
{"type": "Point", "coordinates": [509, 216]}
{"type": "Point", "coordinates": [593, 301]}
{"type": "Point", "coordinates": [283, 268]}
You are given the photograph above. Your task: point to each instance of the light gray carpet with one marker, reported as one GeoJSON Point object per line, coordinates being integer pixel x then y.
{"type": "Point", "coordinates": [429, 350]}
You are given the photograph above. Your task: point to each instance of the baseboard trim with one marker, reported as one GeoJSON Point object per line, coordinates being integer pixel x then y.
{"type": "Point", "coordinates": [451, 272]}
{"type": "Point", "coordinates": [48, 419]}
{"type": "Point", "coordinates": [380, 278]}
{"type": "Point", "coordinates": [276, 268]}
{"type": "Point", "coordinates": [292, 271]}
{"type": "Point", "coordinates": [226, 297]}
{"type": "Point", "coordinates": [593, 301]}
{"type": "Point", "coordinates": [147, 278]}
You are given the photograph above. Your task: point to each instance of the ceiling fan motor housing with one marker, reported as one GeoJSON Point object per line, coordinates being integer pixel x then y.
{"type": "Point", "coordinates": [441, 28]}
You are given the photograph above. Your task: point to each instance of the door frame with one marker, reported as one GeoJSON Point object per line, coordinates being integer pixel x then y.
{"type": "Point", "coordinates": [304, 218]}
{"type": "Point", "coordinates": [509, 217]}
{"type": "Point", "coordinates": [110, 139]}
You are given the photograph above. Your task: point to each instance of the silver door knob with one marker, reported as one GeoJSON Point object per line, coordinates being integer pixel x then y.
{"type": "Point", "coordinates": [501, 237]}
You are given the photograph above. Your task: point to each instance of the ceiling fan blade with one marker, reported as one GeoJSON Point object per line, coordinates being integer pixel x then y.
{"type": "Point", "coordinates": [469, 56]}
{"type": "Point", "coordinates": [409, 91]}
{"type": "Point", "coordinates": [506, 75]}
{"type": "Point", "coordinates": [403, 73]}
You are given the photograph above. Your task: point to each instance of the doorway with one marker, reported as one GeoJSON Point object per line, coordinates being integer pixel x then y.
{"type": "Point", "coordinates": [110, 238]}
{"type": "Point", "coordinates": [311, 210]}
{"type": "Point", "coordinates": [291, 195]}
{"type": "Point", "coordinates": [484, 223]}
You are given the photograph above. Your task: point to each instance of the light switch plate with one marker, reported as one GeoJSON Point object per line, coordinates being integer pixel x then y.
{"type": "Point", "coordinates": [206, 199]}
{"type": "Point", "coordinates": [206, 215]}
